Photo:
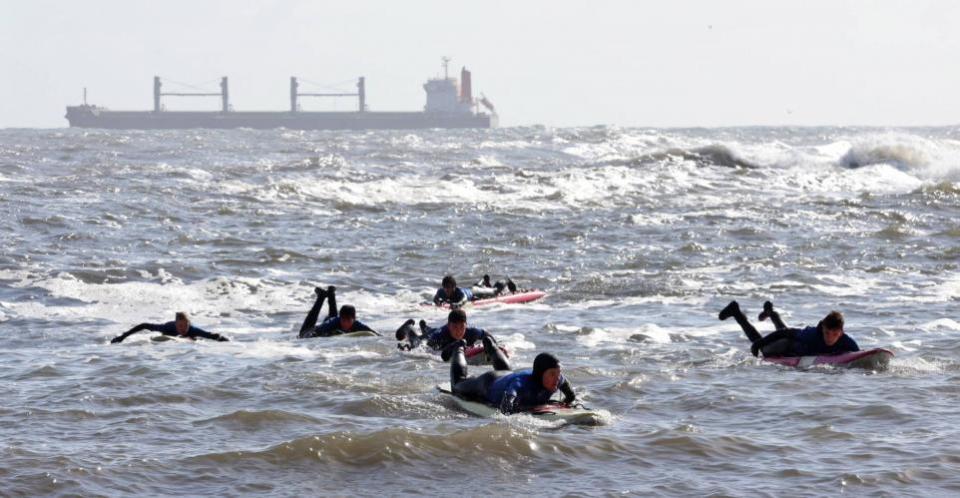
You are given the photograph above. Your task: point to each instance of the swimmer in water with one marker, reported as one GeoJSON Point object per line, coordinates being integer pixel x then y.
{"type": "Point", "coordinates": [335, 324]}
{"type": "Point", "coordinates": [509, 391]}
{"type": "Point", "coordinates": [827, 338]}
{"type": "Point", "coordinates": [179, 327]}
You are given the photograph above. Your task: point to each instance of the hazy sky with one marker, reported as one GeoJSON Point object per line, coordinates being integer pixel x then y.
{"type": "Point", "coordinates": [558, 63]}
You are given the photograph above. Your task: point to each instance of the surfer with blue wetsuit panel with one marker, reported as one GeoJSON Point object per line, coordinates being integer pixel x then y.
{"type": "Point", "coordinates": [826, 338]}
{"type": "Point", "coordinates": [450, 294]}
{"type": "Point", "coordinates": [180, 327]}
{"type": "Point", "coordinates": [509, 391]}
{"type": "Point", "coordinates": [335, 324]}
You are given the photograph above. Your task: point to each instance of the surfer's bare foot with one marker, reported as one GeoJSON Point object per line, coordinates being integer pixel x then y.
{"type": "Point", "coordinates": [331, 290]}
{"type": "Point", "coordinates": [767, 311]}
{"type": "Point", "coordinates": [731, 309]}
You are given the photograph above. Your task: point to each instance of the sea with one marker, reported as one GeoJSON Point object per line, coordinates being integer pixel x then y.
{"type": "Point", "coordinates": [638, 235]}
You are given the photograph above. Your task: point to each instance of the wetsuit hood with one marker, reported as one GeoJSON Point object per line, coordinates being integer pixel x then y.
{"type": "Point", "coordinates": [542, 363]}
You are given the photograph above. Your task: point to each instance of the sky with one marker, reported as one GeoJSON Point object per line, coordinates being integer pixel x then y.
{"type": "Point", "coordinates": [650, 63]}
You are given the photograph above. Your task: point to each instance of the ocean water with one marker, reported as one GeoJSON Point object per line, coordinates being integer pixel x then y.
{"type": "Point", "coordinates": [640, 236]}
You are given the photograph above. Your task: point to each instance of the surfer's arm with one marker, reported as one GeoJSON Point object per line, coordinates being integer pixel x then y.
{"type": "Point", "coordinates": [134, 330]}
{"type": "Point", "coordinates": [508, 403]}
{"type": "Point", "coordinates": [359, 326]}
{"type": "Point", "coordinates": [447, 352]}
{"type": "Point", "coordinates": [849, 344]}
{"type": "Point", "coordinates": [196, 332]}
{"type": "Point", "coordinates": [568, 395]}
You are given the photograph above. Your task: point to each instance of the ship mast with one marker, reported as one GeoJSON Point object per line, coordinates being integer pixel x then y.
{"type": "Point", "coordinates": [446, 66]}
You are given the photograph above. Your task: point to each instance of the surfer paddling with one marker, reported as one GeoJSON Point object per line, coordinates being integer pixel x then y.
{"type": "Point", "coordinates": [451, 295]}
{"type": "Point", "coordinates": [509, 391]}
{"type": "Point", "coordinates": [826, 338]}
{"type": "Point", "coordinates": [443, 339]}
{"type": "Point", "coordinates": [335, 324]}
{"type": "Point", "coordinates": [179, 327]}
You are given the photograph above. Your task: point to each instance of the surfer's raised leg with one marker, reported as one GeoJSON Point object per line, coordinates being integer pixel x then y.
{"type": "Point", "coordinates": [311, 320]}
{"type": "Point", "coordinates": [769, 312]}
{"type": "Point", "coordinates": [408, 336]}
{"type": "Point", "coordinates": [331, 301]}
{"type": "Point", "coordinates": [733, 310]}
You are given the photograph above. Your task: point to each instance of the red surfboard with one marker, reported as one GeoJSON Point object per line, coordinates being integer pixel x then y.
{"type": "Point", "coordinates": [515, 298]}
{"type": "Point", "coordinates": [873, 359]}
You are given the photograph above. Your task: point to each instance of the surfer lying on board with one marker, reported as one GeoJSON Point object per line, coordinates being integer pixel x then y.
{"type": "Point", "coordinates": [441, 339]}
{"type": "Point", "coordinates": [334, 324]}
{"type": "Point", "coordinates": [827, 338]}
{"type": "Point", "coordinates": [510, 391]}
{"type": "Point", "coordinates": [179, 327]}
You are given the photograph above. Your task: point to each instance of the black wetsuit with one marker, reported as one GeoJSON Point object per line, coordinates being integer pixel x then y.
{"type": "Point", "coordinates": [169, 328]}
{"type": "Point", "coordinates": [331, 325]}
{"type": "Point", "coordinates": [788, 341]}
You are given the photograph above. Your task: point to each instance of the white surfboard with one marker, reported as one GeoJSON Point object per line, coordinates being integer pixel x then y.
{"type": "Point", "coordinates": [555, 411]}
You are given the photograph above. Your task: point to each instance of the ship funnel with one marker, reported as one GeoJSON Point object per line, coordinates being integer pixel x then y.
{"type": "Point", "coordinates": [466, 92]}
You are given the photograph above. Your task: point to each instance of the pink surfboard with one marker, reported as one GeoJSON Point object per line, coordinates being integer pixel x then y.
{"type": "Point", "coordinates": [515, 298]}
{"type": "Point", "coordinates": [873, 359]}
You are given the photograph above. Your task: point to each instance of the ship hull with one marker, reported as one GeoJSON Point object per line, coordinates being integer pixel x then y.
{"type": "Point", "coordinates": [94, 117]}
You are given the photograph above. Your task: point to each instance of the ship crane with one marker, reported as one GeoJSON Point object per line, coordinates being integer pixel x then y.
{"type": "Point", "coordinates": [295, 94]}
{"type": "Point", "coordinates": [224, 94]}
{"type": "Point", "coordinates": [486, 103]}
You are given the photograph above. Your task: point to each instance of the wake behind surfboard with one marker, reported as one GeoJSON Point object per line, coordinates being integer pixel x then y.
{"type": "Point", "coordinates": [873, 359]}
{"type": "Point", "coordinates": [577, 415]}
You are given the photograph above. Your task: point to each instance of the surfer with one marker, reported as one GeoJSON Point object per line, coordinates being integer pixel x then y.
{"type": "Point", "coordinates": [444, 338]}
{"type": "Point", "coordinates": [826, 338]}
{"type": "Point", "coordinates": [501, 387]}
{"type": "Point", "coordinates": [335, 324]}
{"type": "Point", "coordinates": [449, 293]}
{"type": "Point", "coordinates": [179, 327]}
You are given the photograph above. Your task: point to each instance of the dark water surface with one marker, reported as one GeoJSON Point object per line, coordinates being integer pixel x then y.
{"type": "Point", "coordinates": [639, 235]}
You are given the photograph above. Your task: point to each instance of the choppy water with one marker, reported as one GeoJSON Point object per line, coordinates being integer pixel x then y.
{"type": "Point", "coordinates": [640, 236]}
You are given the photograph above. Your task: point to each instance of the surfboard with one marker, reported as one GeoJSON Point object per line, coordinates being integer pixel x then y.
{"type": "Point", "coordinates": [577, 415]}
{"type": "Point", "coordinates": [165, 338]}
{"type": "Point", "coordinates": [873, 359]}
{"type": "Point", "coordinates": [476, 356]}
{"type": "Point", "coordinates": [359, 333]}
{"type": "Point", "coordinates": [515, 298]}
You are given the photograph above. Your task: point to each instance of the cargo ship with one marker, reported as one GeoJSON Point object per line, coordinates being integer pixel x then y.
{"type": "Point", "coordinates": [450, 104]}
